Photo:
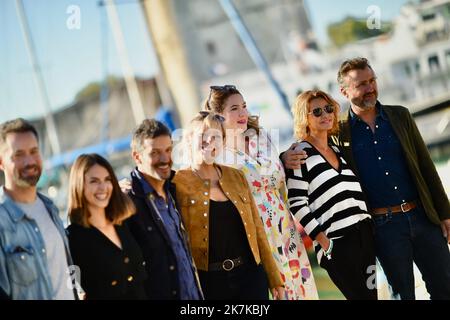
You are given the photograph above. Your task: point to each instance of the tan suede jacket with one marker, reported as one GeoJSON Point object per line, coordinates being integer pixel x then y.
{"type": "Point", "coordinates": [193, 198]}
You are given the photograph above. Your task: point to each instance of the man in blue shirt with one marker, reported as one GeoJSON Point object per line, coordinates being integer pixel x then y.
{"type": "Point", "coordinates": [34, 252]}
{"type": "Point", "coordinates": [404, 193]}
{"type": "Point", "coordinates": [157, 224]}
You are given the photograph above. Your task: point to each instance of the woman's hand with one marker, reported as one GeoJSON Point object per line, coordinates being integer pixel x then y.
{"type": "Point", "coordinates": [323, 240]}
{"type": "Point", "coordinates": [293, 159]}
{"type": "Point", "coordinates": [125, 185]}
{"type": "Point", "coordinates": [277, 293]}
{"type": "Point", "coordinates": [445, 225]}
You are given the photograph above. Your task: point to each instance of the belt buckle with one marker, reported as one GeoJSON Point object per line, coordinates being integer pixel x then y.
{"type": "Point", "coordinates": [229, 262]}
{"type": "Point", "coordinates": [407, 205]}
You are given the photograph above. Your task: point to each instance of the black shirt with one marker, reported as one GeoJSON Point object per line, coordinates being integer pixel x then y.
{"type": "Point", "coordinates": [228, 239]}
{"type": "Point", "coordinates": [108, 272]}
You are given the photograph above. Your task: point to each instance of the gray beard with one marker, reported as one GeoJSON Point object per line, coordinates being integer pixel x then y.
{"type": "Point", "coordinates": [365, 105]}
{"type": "Point", "coordinates": [368, 106]}
{"type": "Point", "coordinates": [26, 182]}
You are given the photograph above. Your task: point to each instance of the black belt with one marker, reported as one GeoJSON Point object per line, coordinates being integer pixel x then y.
{"type": "Point", "coordinates": [226, 265]}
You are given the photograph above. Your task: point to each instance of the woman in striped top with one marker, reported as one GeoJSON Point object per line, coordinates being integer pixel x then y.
{"type": "Point", "coordinates": [326, 198]}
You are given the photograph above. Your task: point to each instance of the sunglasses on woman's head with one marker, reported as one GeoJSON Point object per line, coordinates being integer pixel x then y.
{"type": "Point", "coordinates": [216, 116]}
{"type": "Point", "coordinates": [318, 111]}
{"type": "Point", "coordinates": [222, 88]}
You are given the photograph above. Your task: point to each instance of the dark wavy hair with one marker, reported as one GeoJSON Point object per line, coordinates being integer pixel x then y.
{"type": "Point", "coordinates": [120, 207]}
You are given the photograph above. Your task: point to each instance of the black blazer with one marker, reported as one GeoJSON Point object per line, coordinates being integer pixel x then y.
{"type": "Point", "coordinates": [3, 295]}
{"type": "Point", "coordinates": [149, 231]}
{"type": "Point", "coordinates": [108, 272]}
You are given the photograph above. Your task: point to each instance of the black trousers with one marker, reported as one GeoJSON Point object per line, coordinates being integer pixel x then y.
{"type": "Point", "coordinates": [352, 267]}
{"type": "Point", "coordinates": [246, 282]}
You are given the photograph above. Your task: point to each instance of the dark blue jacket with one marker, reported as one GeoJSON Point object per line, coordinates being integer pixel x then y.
{"type": "Point", "coordinates": [151, 235]}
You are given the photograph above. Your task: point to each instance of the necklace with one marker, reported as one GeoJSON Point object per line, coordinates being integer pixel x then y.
{"type": "Point", "coordinates": [214, 182]}
{"type": "Point", "coordinates": [324, 149]}
{"type": "Point", "coordinates": [318, 146]}
{"type": "Point", "coordinates": [234, 150]}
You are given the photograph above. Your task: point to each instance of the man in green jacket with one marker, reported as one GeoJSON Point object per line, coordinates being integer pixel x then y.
{"type": "Point", "coordinates": [410, 208]}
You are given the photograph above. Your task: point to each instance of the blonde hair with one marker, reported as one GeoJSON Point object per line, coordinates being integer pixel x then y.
{"type": "Point", "coordinates": [205, 120]}
{"type": "Point", "coordinates": [300, 112]}
{"type": "Point", "coordinates": [120, 207]}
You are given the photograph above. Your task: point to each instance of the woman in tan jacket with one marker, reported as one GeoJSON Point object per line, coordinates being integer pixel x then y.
{"type": "Point", "coordinates": [226, 234]}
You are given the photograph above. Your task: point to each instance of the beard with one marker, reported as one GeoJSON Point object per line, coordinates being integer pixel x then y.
{"type": "Point", "coordinates": [367, 101]}
{"type": "Point", "coordinates": [25, 180]}
{"type": "Point", "coordinates": [163, 176]}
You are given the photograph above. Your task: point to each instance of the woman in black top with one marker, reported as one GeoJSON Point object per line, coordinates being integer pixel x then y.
{"type": "Point", "coordinates": [109, 260]}
{"type": "Point", "coordinates": [228, 239]}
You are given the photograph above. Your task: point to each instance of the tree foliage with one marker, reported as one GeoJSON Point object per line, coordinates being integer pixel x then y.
{"type": "Point", "coordinates": [94, 88]}
{"type": "Point", "coordinates": [352, 29]}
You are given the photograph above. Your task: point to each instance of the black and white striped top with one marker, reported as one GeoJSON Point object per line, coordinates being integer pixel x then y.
{"type": "Point", "coordinates": [324, 199]}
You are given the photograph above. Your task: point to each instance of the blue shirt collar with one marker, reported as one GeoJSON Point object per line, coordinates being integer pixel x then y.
{"type": "Point", "coordinates": [147, 188]}
{"type": "Point", "coordinates": [353, 117]}
{"type": "Point", "coordinates": [380, 113]}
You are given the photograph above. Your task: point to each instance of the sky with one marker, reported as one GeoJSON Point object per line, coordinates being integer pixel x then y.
{"type": "Point", "coordinates": [71, 58]}
{"type": "Point", "coordinates": [325, 12]}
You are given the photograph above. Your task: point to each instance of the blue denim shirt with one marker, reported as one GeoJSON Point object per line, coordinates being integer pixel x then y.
{"type": "Point", "coordinates": [23, 262]}
{"type": "Point", "coordinates": [380, 162]}
{"type": "Point", "coordinates": [172, 223]}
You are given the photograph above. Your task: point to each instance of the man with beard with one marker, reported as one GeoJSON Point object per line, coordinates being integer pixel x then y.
{"type": "Point", "coordinates": [405, 195]}
{"type": "Point", "coordinates": [157, 224]}
{"type": "Point", "coordinates": [34, 254]}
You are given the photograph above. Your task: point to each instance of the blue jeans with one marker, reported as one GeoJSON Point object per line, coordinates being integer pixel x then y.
{"type": "Point", "coordinates": [403, 238]}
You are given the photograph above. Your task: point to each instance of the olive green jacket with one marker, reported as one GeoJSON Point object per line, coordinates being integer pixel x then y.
{"type": "Point", "coordinates": [418, 160]}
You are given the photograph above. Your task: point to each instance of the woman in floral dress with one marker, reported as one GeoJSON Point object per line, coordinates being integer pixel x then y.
{"type": "Point", "coordinates": [258, 158]}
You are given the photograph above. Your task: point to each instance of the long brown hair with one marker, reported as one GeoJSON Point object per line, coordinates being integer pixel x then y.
{"type": "Point", "coordinates": [215, 102]}
{"type": "Point", "coordinates": [120, 207]}
{"type": "Point", "coordinates": [301, 108]}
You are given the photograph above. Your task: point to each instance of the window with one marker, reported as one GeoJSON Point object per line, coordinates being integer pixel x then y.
{"type": "Point", "coordinates": [433, 63]}
{"type": "Point", "coordinates": [447, 59]}
{"type": "Point", "coordinates": [407, 70]}
{"type": "Point", "coordinates": [211, 48]}
{"type": "Point", "coordinates": [417, 66]}
{"type": "Point", "coordinates": [428, 17]}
